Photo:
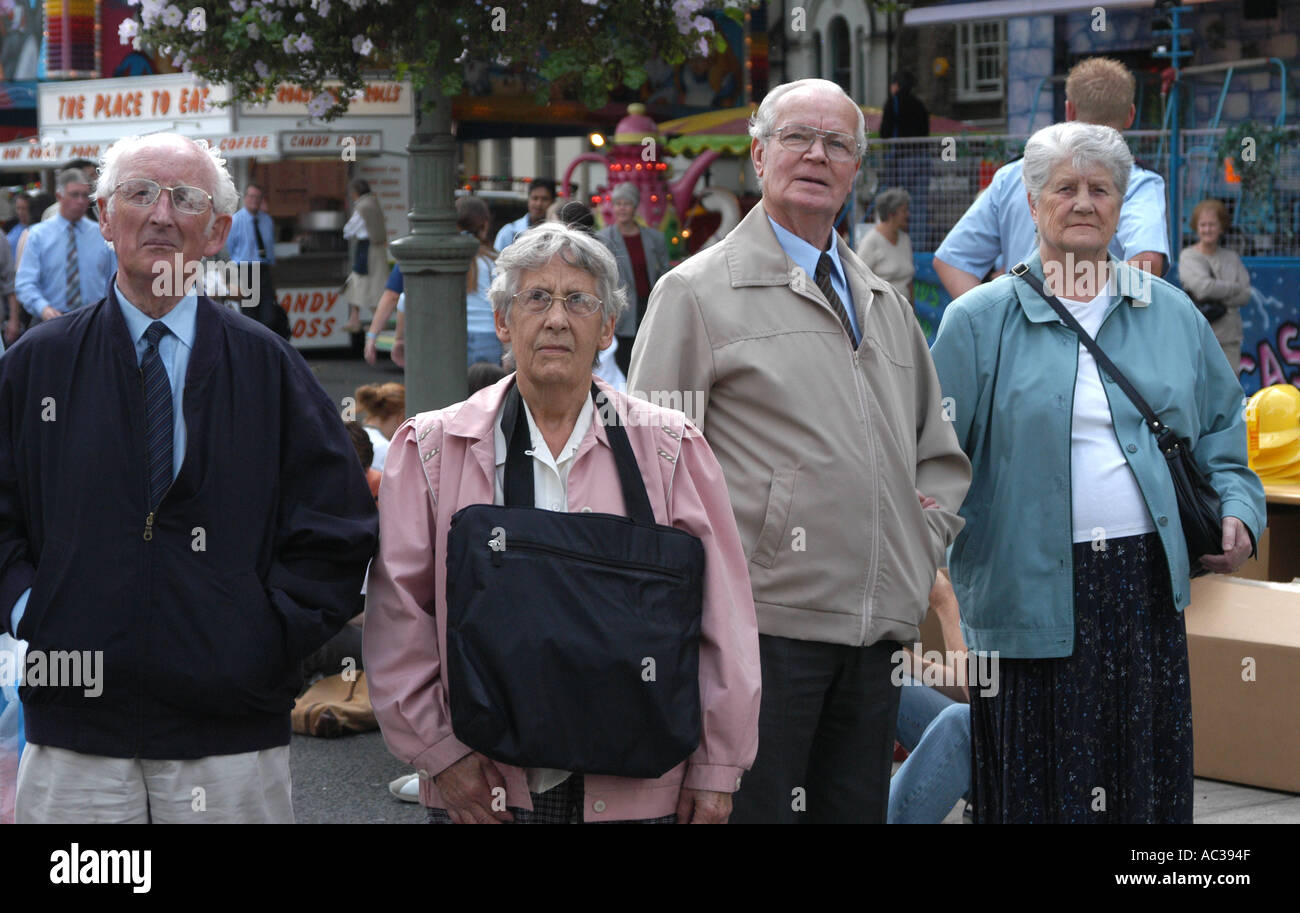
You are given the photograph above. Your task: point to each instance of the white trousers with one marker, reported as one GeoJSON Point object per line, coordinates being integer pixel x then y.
{"type": "Point", "coordinates": [57, 786]}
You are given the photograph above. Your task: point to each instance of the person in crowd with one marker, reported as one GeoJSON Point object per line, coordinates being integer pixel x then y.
{"type": "Point", "coordinates": [366, 454]}
{"type": "Point", "coordinates": [384, 406]}
{"type": "Point", "coordinates": [367, 227]}
{"type": "Point", "coordinates": [541, 194]}
{"type": "Point", "coordinates": [252, 240]}
{"type": "Point", "coordinates": [997, 231]}
{"type": "Point", "coordinates": [393, 290]}
{"type": "Point", "coordinates": [642, 256]}
{"type": "Point", "coordinates": [484, 374]}
{"type": "Point", "coordinates": [903, 116]}
{"type": "Point", "coordinates": [576, 214]}
{"type": "Point", "coordinates": [1073, 564]}
{"type": "Point", "coordinates": [556, 340]}
{"type": "Point", "coordinates": [474, 218]}
{"type": "Point", "coordinates": [1215, 278]}
{"type": "Point", "coordinates": [887, 249]}
{"type": "Point", "coordinates": [210, 550]}
{"type": "Point", "coordinates": [813, 383]}
{"type": "Point", "coordinates": [23, 218]}
{"type": "Point", "coordinates": [66, 264]}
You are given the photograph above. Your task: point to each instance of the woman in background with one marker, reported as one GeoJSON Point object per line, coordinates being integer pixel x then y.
{"type": "Point", "coordinates": [1215, 278]}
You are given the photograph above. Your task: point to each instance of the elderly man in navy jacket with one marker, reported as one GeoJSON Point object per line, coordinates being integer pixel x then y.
{"type": "Point", "coordinates": [182, 520]}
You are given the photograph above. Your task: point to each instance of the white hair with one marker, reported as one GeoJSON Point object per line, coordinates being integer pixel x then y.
{"type": "Point", "coordinates": [763, 121]}
{"type": "Point", "coordinates": [538, 246]}
{"type": "Point", "coordinates": [1084, 146]}
{"type": "Point", "coordinates": [225, 198]}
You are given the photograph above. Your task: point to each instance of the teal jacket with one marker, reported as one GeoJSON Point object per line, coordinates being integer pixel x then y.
{"type": "Point", "coordinates": [1007, 365]}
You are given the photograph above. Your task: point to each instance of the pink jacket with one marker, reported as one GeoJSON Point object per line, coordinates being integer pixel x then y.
{"type": "Point", "coordinates": [442, 461]}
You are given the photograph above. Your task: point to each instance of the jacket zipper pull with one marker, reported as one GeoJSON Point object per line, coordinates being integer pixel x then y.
{"type": "Point", "coordinates": [148, 527]}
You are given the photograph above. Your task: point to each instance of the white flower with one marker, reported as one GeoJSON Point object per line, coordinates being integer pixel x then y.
{"type": "Point", "coordinates": [268, 15]}
{"type": "Point", "coordinates": [253, 31]}
{"type": "Point", "coordinates": [287, 44]}
{"type": "Point", "coordinates": [304, 43]}
{"type": "Point", "coordinates": [127, 30]}
{"type": "Point", "coordinates": [172, 16]}
{"type": "Point", "coordinates": [362, 45]}
{"type": "Point", "coordinates": [238, 5]}
{"type": "Point", "coordinates": [703, 24]}
{"type": "Point", "coordinates": [263, 71]}
{"type": "Point", "coordinates": [181, 61]}
{"type": "Point", "coordinates": [703, 47]}
{"type": "Point", "coordinates": [323, 7]}
{"type": "Point", "coordinates": [299, 17]}
{"type": "Point", "coordinates": [149, 12]}
{"type": "Point", "coordinates": [320, 104]}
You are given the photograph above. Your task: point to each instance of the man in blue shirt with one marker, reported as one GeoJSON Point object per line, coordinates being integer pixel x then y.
{"type": "Point", "coordinates": [997, 230]}
{"type": "Point", "coordinates": [223, 537]}
{"type": "Point", "coordinates": [252, 240]}
{"type": "Point", "coordinates": [541, 194]}
{"type": "Point", "coordinates": [66, 264]}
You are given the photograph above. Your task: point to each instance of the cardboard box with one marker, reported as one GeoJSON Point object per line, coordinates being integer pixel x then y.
{"type": "Point", "coordinates": [1243, 644]}
{"type": "Point", "coordinates": [1278, 550]}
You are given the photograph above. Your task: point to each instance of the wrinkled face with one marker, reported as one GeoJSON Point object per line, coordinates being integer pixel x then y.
{"type": "Point", "coordinates": [539, 200]}
{"type": "Point", "coordinates": [555, 348]}
{"type": "Point", "coordinates": [624, 212]}
{"type": "Point", "coordinates": [74, 200]}
{"type": "Point", "coordinates": [252, 198]}
{"type": "Point", "coordinates": [806, 183]}
{"type": "Point", "coordinates": [145, 235]}
{"type": "Point", "coordinates": [1208, 228]}
{"type": "Point", "coordinates": [1077, 211]}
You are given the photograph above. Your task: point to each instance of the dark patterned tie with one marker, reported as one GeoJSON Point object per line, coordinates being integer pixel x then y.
{"type": "Point", "coordinates": [823, 280]}
{"type": "Point", "coordinates": [158, 414]}
{"type": "Point", "coordinates": [73, 299]}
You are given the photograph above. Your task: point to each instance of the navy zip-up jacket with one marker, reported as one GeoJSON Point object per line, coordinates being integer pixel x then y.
{"type": "Point", "coordinates": [254, 558]}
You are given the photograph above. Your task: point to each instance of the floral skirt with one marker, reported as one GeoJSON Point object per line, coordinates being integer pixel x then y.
{"type": "Point", "coordinates": [1105, 734]}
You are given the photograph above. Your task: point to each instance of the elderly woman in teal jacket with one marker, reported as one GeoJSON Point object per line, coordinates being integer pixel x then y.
{"type": "Point", "coordinates": [1072, 567]}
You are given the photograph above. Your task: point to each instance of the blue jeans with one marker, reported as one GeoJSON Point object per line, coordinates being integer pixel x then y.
{"type": "Point", "coordinates": [936, 730]}
{"type": "Point", "coordinates": [482, 347]}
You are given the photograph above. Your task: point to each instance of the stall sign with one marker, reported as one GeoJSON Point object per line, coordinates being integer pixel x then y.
{"type": "Point", "coordinates": [316, 316]}
{"type": "Point", "coordinates": [32, 156]}
{"type": "Point", "coordinates": [247, 145]}
{"type": "Point", "coordinates": [326, 142]}
{"type": "Point", "coordinates": [376, 99]}
{"type": "Point", "coordinates": [106, 109]}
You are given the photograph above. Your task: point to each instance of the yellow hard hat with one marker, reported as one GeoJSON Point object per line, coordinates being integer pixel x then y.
{"type": "Point", "coordinates": [1278, 459]}
{"type": "Point", "coordinates": [1278, 411]}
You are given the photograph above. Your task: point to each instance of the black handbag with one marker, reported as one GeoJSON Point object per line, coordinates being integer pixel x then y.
{"type": "Point", "coordinates": [1210, 310]}
{"type": "Point", "coordinates": [1198, 502]}
{"type": "Point", "coordinates": [573, 638]}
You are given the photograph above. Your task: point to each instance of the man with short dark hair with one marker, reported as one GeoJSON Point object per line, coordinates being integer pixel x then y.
{"type": "Point", "coordinates": [541, 194]}
{"type": "Point", "coordinates": [182, 510]}
{"type": "Point", "coordinates": [66, 264]}
{"type": "Point", "coordinates": [252, 240]}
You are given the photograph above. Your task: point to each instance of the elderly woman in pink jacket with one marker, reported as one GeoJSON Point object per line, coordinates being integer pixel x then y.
{"type": "Point", "coordinates": [555, 301]}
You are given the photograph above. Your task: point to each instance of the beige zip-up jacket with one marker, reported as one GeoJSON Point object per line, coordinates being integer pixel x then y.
{"type": "Point", "coordinates": [823, 447]}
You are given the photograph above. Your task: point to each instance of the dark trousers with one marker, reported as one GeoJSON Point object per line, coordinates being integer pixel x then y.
{"type": "Point", "coordinates": [825, 735]}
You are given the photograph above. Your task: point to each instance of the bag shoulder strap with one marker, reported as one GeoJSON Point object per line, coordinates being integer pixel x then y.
{"type": "Point", "coordinates": [519, 490]}
{"type": "Point", "coordinates": [1162, 432]}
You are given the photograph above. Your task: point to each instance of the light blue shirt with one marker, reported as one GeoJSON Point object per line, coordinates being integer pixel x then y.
{"type": "Point", "coordinates": [998, 229]}
{"type": "Point", "coordinates": [805, 256]}
{"type": "Point", "coordinates": [241, 243]}
{"type": "Point", "coordinates": [511, 230]}
{"type": "Point", "coordinates": [42, 278]}
{"type": "Point", "coordinates": [174, 349]}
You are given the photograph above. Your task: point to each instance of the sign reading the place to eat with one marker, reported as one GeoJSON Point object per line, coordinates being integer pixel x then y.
{"type": "Point", "coordinates": [97, 109]}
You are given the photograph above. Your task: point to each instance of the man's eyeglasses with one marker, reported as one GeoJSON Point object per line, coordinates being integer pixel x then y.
{"type": "Point", "coordinates": [840, 147]}
{"type": "Point", "coordinates": [143, 192]}
{"type": "Point", "coordinates": [538, 301]}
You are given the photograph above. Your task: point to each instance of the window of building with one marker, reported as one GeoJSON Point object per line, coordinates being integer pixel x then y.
{"type": "Point", "coordinates": [546, 158]}
{"type": "Point", "coordinates": [505, 163]}
{"type": "Point", "coordinates": [981, 60]}
{"type": "Point", "coordinates": [841, 60]}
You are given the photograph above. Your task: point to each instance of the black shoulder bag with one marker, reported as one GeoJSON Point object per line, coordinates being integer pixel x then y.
{"type": "Point", "coordinates": [1198, 502]}
{"type": "Point", "coordinates": [573, 638]}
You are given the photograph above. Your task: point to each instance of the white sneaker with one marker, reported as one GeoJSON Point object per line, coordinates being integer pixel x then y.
{"type": "Point", "coordinates": [406, 787]}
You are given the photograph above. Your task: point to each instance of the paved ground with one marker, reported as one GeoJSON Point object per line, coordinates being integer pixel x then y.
{"type": "Point", "coordinates": [341, 373]}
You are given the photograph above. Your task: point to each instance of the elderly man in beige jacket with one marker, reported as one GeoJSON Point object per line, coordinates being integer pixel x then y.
{"type": "Point", "coordinates": [813, 384]}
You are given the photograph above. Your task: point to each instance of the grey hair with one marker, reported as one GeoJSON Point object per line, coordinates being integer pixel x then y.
{"type": "Point", "coordinates": [225, 198]}
{"type": "Point", "coordinates": [891, 201]}
{"type": "Point", "coordinates": [1084, 146]}
{"type": "Point", "coordinates": [538, 246]}
{"type": "Point", "coordinates": [70, 176]}
{"type": "Point", "coordinates": [763, 121]}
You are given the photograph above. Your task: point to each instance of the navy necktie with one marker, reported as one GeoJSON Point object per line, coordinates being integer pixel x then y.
{"type": "Point", "coordinates": [823, 280]}
{"type": "Point", "coordinates": [158, 414]}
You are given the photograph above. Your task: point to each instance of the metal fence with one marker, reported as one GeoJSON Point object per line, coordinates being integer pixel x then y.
{"type": "Point", "coordinates": [1261, 189]}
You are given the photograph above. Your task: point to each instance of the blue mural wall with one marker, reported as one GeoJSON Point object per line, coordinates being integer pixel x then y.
{"type": "Point", "coordinates": [1270, 322]}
